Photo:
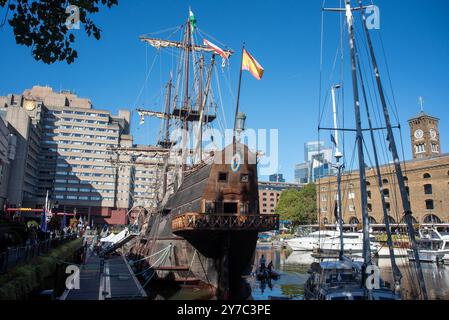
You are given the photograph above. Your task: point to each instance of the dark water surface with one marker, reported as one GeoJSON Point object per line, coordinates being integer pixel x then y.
{"type": "Point", "coordinates": [293, 266]}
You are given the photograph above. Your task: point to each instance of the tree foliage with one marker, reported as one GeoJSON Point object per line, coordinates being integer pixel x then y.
{"type": "Point", "coordinates": [41, 25]}
{"type": "Point", "coordinates": [298, 206]}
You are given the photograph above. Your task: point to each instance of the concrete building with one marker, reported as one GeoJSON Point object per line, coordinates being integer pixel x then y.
{"type": "Point", "coordinates": [426, 177]}
{"type": "Point", "coordinates": [270, 192]}
{"type": "Point", "coordinates": [23, 118]}
{"type": "Point", "coordinates": [7, 155]}
{"type": "Point", "coordinates": [64, 149]}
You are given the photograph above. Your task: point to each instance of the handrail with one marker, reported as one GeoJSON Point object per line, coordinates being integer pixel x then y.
{"type": "Point", "coordinates": [202, 221]}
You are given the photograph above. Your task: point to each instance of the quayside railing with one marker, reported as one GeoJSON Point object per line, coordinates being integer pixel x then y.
{"type": "Point", "coordinates": [12, 257]}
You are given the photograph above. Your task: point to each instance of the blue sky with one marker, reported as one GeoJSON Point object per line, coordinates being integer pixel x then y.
{"type": "Point", "coordinates": [284, 36]}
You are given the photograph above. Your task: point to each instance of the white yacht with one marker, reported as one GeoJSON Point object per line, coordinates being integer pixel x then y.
{"type": "Point", "coordinates": [433, 245]}
{"type": "Point", "coordinates": [352, 243]}
{"type": "Point", "coordinates": [329, 242]}
{"type": "Point", "coordinates": [311, 241]}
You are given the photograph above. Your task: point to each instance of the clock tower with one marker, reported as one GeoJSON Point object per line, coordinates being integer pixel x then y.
{"type": "Point", "coordinates": [424, 135]}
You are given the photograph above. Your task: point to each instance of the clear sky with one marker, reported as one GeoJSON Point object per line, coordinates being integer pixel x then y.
{"type": "Point", "coordinates": [284, 36]}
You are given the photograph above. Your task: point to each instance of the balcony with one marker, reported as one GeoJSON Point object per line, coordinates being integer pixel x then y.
{"type": "Point", "coordinates": [225, 222]}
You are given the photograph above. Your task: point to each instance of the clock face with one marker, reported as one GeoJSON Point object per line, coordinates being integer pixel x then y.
{"type": "Point", "coordinates": [419, 134]}
{"type": "Point", "coordinates": [30, 105]}
{"type": "Point", "coordinates": [433, 133]}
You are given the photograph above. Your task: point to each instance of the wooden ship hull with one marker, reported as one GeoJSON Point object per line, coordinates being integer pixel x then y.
{"type": "Point", "coordinates": [210, 225]}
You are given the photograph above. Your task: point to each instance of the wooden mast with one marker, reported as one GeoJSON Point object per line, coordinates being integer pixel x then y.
{"type": "Point", "coordinates": [203, 101]}
{"type": "Point", "coordinates": [167, 135]}
{"type": "Point", "coordinates": [238, 95]}
{"type": "Point", "coordinates": [186, 97]}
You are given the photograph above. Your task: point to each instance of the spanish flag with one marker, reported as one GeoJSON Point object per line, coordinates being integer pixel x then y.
{"type": "Point", "coordinates": [250, 64]}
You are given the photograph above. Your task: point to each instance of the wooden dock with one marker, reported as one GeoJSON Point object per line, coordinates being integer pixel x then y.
{"type": "Point", "coordinates": [109, 279]}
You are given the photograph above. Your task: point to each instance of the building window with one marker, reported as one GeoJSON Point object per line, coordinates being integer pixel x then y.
{"type": "Point", "coordinates": [427, 176]}
{"type": "Point", "coordinates": [427, 189]}
{"type": "Point", "coordinates": [368, 193]}
{"type": "Point", "coordinates": [420, 148]}
{"type": "Point", "coordinates": [435, 147]}
{"type": "Point", "coordinates": [370, 207]}
{"type": "Point", "coordinates": [351, 195]}
{"type": "Point", "coordinates": [385, 181]}
{"type": "Point", "coordinates": [222, 176]}
{"type": "Point", "coordinates": [244, 178]}
{"type": "Point", "coordinates": [429, 204]}
{"type": "Point", "coordinates": [390, 219]}
{"type": "Point", "coordinates": [351, 208]}
{"type": "Point", "coordinates": [210, 207]}
{"type": "Point", "coordinates": [431, 218]}
{"type": "Point", "coordinates": [372, 220]}
{"type": "Point", "coordinates": [353, 220]}
{"type": "Point", "coordinates": [386, 193]}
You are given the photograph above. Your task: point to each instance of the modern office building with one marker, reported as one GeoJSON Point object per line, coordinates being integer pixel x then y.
{"type": "Point", "coordinates": [317, 163]}
{"type": "Point", "coordinates": [63, 149]}
{"type": "Point", "coordinates": [302, 172]}
{"type": "Point", "coordinates": [317, 150]}
{"type": "Point", "coordinates": [426, 177]}
{"type": "Point", "coordinates": [278, 177]}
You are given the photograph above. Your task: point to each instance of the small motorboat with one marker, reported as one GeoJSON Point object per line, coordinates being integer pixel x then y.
{"type": "Point", "coordinates": [266, 274]}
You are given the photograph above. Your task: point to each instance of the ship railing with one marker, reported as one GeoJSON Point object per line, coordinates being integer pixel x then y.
{"type": "Point", "coordinates": [225, 222]}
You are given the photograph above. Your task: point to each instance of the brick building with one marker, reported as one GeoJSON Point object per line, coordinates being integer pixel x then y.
{"type": "Point", "coordinates": [426, 178]}
{"type": "Point", "coordinates": [269, 193]}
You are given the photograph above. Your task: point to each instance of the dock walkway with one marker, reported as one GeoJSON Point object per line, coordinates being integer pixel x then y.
{"type": "Point", "coordinates": [111, 278]}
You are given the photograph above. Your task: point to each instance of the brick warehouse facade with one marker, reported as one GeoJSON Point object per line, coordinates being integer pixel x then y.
{"type": "Point", "coordinates": [426, 177]}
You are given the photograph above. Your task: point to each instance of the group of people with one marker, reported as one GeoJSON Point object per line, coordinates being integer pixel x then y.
{"type": "Point", "coordinates": [263, 267]}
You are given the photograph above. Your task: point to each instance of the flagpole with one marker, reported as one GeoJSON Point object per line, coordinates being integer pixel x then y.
{"type": "Point", "coordinates": [238, 93]}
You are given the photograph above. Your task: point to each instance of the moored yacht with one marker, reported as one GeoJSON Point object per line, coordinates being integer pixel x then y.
{"type": "Point", "coordinates": [311, 241]}
{"type": "Point", "coordinates": [433, 245]}
{"type": "Point", "coordinates": [329, 242]}
{"type": "Point", "coordinates": [342, 280]}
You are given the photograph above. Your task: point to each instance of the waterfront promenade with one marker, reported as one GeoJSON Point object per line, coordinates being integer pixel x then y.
{"type": "Point", "coordinates": [106, 279]}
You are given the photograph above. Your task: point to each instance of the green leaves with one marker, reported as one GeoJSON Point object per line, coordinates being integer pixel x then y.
{"type": "Point", "coordinates": [298, 206]}
{"type": "Point", "coordinates": [41, 25]}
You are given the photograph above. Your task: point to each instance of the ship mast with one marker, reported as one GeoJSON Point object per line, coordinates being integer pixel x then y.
{"type": "Point", "coordinates": [185, 124]}
{"type": "Point", "coordinates": [397, 165]}
{"type": "Point", "coordinates": [340, 167]}
{"type": "Point", "coordinates": [359, 141]}
{"type": "Point", "coordinates": [397, 276]}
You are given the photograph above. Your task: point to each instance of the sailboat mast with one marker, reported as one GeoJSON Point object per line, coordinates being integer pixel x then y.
{"type": "Point", "coordinates": [339, 165]}
{"type": "Point", "coordinates": [359, 140]}
{"type": "Point", "coordinates": [397, 165]}
{"type": "Point", "coordinates": [397, 276]}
